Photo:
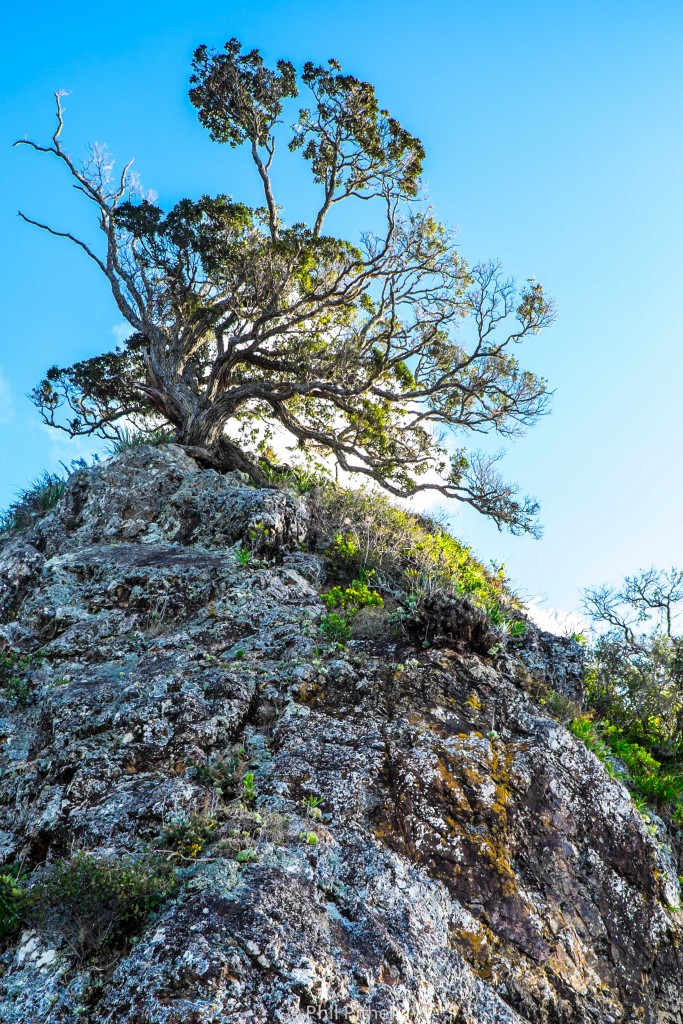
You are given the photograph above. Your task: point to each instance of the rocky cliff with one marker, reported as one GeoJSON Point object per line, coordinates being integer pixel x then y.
{"type": "Point", "coordinates": [295, 831]}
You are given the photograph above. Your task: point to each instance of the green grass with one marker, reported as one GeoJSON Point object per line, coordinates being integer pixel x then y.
{"type": "Point", "coordinates": [33, 502]}
{"type": "Point", "coordinates": [300, 479]}
{"type": "Point", "coordinates": [412, 558]}
{"type": "Point", "coordinates": [138, 438]}
{"type": "Point", "coordinates": [648, 778]}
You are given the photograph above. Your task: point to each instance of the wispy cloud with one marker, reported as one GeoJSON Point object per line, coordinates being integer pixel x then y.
{"type": "Point", "coordinates": [121, 332]}
{"type": "Point", "coordinates": [556, 620]}
{"type": "Point", "coordinates": [6, 400]}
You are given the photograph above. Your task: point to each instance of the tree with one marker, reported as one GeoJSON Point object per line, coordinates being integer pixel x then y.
{"type": "Point", "coordinates": [382, 354]}
{"type": "Point", "coordinates": [635, 677]}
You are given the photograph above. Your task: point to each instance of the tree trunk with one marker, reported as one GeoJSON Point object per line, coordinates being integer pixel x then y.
{"type": "Point", "coordinates": [227, 457]}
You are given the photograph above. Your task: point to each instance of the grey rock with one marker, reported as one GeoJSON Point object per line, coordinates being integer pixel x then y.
{"type": "Point", "coordinates": [470, 862]}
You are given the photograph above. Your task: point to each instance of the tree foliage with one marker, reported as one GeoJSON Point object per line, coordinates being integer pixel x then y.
{"type": "Point", "coordinates": [635, 678]}
{"type": "Point", "coordinates": [384, 353]}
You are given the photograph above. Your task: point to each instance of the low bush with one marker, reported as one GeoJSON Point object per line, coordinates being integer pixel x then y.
{"type": "Point", "coordinates": [14, 672]}
{"type": "Point", "coordinates": [648, 778]}
{"type": "Point", "coordinates": [188, 835]}
{"type": "Point", "coordinates": [92, 902]}
{"type": "Point", "coordinates": [336, 627]}
{"type": "Point", "coordinates": [11, 902]}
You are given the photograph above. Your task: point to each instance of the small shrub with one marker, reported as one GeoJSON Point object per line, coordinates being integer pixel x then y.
{"type": "Point", "coordinates": [220, 775]}
{"type": "Point", "coordinates": [646, 775]}
{"type": "Point", "coordinates": [354, 597]}
{"type": "Point", "coordinates": [336, 628]}
{"type": "Point", "coordinates": [96, 902]}
{"type": "Point", "coordinates": [248, 788]}
{"type": "Point", "coordinates": [224, 775]}
{"type": "Point", "coordinates": [559, 706]}
{"type": "Point", "coordinates": [14, 672]}
{"type": "Point", "coordinates": [187, 836]}
{"type": "Point", "coordinates": [509, 628]}
{"type": "Point", "coordinates": [11, 903]}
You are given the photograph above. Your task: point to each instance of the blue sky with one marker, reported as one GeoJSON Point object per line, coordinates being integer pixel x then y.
{"type": "Point", "coordinates": [553, 137]}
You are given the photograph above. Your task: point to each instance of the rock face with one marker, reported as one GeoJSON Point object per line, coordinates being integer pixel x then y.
{"type": "Point", "coordinates": [428, 845]}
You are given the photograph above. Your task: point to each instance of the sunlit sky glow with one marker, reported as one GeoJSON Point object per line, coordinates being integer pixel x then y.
{"type": "Point", "coordinates": [553, 138]}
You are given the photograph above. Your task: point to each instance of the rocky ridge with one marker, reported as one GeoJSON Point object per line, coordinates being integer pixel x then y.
{"type": "Point", "coordinates": [421, 842]}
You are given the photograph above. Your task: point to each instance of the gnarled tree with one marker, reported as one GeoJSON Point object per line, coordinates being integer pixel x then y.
{"type": "Point", "coordinates": [383, 354]}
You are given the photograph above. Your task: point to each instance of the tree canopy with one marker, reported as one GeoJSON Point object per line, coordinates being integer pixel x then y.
{"type": "Point", "coordinates": [384, 353]}
{"type": "Point", "coordinates": [635, 676]}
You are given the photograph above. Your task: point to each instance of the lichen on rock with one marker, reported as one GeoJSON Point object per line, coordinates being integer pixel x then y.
{"type": "Point", "coordinates": [381, 832]}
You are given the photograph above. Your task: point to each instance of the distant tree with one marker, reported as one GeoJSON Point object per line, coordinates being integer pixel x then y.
{"type": "Point", "coordinates": [635, 677]}
{"type": "Point", "coordinates": [380, 354]}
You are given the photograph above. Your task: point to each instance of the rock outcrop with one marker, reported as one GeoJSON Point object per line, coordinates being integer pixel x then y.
{"type": "Point", "coordinates": [419, 842]}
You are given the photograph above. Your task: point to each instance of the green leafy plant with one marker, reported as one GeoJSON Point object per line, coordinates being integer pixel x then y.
{"type": "Point", "coordinates": [355, 596]}
{"type": "Point", "coordinates": [243, 556]}
{"type": "Point", "coordinates": [248, 788]}
{"type": "Point", "coordinates": [246, 856]}
{"type": "Point", "coordinates": [310, 838]}
{"type": "Point", "coordinates": [96, 902]}
{"type": "Point", "coordinates": [224, 775]}
{"type": "Point", "coordinates": [312, 804]}
{"type": "Point", "coordinates": [301, 479]}
{"type": "Point", "coordinates": [187, 835]}
{"type": "Point", "coordinates": [12, 899]}
{"type": "Point", "coordinates": [14, 671]}
{"type": "Point", "coordinates": [646, 775]}
{"type": "Point", "coordinates": [509, 627]}
{"type": "Point", "coordinates": [335, 627]}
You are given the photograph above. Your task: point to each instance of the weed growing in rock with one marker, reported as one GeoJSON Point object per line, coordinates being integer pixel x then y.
{"type": "Point", "coordinates": [11, 902]}
{"type": "Point", "coordinates": [128, 439]}
{"type": "Point", "coordinates": [186, 836]}
{"type": "Point", "coordinates": [336, 628]}
{"type": "Point", "coordinates": [223, 775]}
{"type": "Point", "coordinates": [312, 804]}
{"type": "Point", "coordinates": [300, 479]}
{"type": "Point", "coordinates": [644, 774]}
{"type": "Point", "coordinates": [33, 502]}
{"type": "Point", "coordinates": [248, 788]}
{"type": "Point", "coordinates": [243, 556]}
{"type": "Point", "coordinates": [14, 672]}
{"type": "Point", "coordinates": [351, 599]}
